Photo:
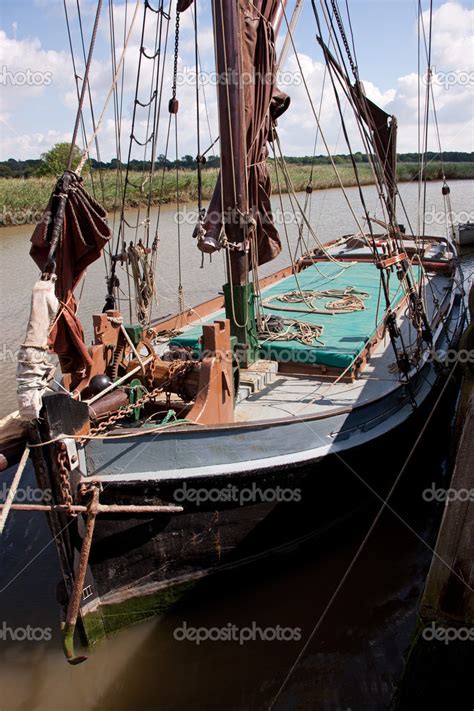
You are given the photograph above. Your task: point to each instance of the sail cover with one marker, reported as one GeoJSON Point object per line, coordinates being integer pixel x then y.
{"type": "Point", "coordinates": [249, 103]}
{"type": "Point", "coordinates": [83, 235]}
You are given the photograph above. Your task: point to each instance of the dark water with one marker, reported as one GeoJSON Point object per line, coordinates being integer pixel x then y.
{"type": "Point", "coordinates": [353, 662]}
{"type": "Point", "coordinates": [355, 659]}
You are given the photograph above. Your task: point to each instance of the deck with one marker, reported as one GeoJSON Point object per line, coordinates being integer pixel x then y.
{"type": "Point", "coordinates": [344, 336]}
{"type": "Point", "coordinates": [272, 389]}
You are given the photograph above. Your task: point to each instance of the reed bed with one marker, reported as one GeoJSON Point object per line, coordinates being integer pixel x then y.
{"type": "Point", "coordinates": [22, 200]}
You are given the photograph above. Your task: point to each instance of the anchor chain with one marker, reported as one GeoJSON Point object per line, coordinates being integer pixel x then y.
{"type": "Point", "coordinates": [64, 481]}
{"type": "Point", "coordinates": [177, 372]}
{"type": "Point", "coordinates": [124, 412]}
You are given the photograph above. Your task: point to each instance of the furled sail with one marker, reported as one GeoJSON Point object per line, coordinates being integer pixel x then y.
{"type": "Point", "coordinates": [249, 103]}
{"type": "Point", "coordinates": [82, 234]}
{"type": "Point", "coordinates": [34, 369]}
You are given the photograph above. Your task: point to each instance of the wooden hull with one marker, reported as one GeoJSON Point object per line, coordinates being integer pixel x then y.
{"type": "Point", "coordinates": [247, 490]}
{"type": "Point", "coordinates": [141, 565]}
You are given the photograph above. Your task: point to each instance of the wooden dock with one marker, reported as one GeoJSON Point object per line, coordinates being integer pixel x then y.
{"type": "Point", "coordinates": [440, 665]}
{"type": "Point", "coordinates": [449, 595]}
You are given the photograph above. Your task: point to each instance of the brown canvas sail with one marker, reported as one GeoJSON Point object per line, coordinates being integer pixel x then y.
{"type": "Point", "coordinates": [83, 235]}
{"type": "Point", "coordinates": [249, 101]}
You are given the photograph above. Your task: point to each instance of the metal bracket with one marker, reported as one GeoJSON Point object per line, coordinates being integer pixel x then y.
{"type": "Point", "coordinates": [72, 461]}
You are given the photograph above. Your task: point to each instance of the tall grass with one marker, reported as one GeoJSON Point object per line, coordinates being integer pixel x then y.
{"type": "Point", "coordinates": [22, 201]}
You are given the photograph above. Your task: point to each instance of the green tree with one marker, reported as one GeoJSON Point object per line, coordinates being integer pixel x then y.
{"type": "Point", "coordinates": [187, 161]}
{"type": "Point", "coordinates": [54, 162]}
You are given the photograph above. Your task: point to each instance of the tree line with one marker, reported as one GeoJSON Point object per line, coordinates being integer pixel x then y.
{"type": "Point", "coordinates": [54, 161]}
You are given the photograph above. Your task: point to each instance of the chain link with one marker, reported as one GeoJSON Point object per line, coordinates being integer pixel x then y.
{"type": "Point", "coordinates": [176, 49]}
{"type": "Point", "coordinates": [344, 39]}
{"type": "Point", "coordinates": [176, 374]}
{"type": "Point", "coordinates": [64, 481]}
{"type": "Point", "coordinates": [151, 373]}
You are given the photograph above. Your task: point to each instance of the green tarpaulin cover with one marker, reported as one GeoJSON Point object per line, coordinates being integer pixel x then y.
{"type": "Point", "coordinates": [344, 335]}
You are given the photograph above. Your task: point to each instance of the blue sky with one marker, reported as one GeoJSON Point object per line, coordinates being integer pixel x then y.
{"type": "Point", "coordinates": [33, 118]}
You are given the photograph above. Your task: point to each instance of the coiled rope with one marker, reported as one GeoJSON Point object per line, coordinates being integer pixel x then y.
{"type": "Point", "coordinates": [285, 329]}
{"type": "Point", "coordinates": [343, 301]}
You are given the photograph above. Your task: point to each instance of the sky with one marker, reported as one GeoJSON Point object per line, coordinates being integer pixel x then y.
{"type": "Point", "coordinates": [38, 97]}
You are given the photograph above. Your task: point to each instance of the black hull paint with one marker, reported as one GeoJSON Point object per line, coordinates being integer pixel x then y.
{"type": "Point", "coordinates": [141, 565]}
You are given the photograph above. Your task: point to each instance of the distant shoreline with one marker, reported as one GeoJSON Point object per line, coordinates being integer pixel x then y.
{"type": "Point", "coordinates": [22, 201]}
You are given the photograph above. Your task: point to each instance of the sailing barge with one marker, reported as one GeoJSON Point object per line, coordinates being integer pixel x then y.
{"type": "Point", "coordinates": [180, 448]}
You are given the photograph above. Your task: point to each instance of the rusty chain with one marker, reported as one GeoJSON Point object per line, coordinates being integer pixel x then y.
{"type": "Point", "coordinates": [151, 373]}
{"type": "Point", "coordinates": [177, 370]}
{"type": "Point", "coordinates": [64, 481]}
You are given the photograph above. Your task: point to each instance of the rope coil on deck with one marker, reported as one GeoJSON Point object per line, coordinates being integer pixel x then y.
{"type": "Point", "coordinates": [343, 301]}
{"type": "Point", "coordinates": [275, 328]}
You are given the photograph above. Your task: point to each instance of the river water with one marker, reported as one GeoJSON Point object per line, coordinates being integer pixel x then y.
{"type": "Point", "coordinates": [355, 659]}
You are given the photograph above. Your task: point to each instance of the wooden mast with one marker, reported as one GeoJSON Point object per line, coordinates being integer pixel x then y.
{"type": "Point", "coordinates": [230, 92]}
{"type": "Point", "coordinates": [234, 99]}
{"type": "Point", "coordinates": [238, 292]}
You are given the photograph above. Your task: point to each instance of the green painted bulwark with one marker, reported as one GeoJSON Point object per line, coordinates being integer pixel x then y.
{"type": "Point", "coordinates": [240, 310]}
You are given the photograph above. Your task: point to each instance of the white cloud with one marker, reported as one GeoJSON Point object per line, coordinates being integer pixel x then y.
{"type": "Point", "coordinates": [452, 53]}
{"type": "Point", "coordinates": [29, 74]}
{"type": "Point", "coordinates": [452, 37]}
{"type": "Point", "coordinates": [453, 62]}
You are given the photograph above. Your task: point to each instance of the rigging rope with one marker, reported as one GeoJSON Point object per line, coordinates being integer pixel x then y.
{"type": "Point", "coordinates": [78, 93]}
{"type": "Point", "coordinates": [417, 310]}
{"type": "Point", "coordinates": [199, 158]}
{"type": "Point", "coordinates": [112, 87]}
{"type": "Point", "coordinates": [173, 109]}
{"type": "Point", "coordinates": [142, 274]}
{"type": "Point", "coordinates": [97, 149]}
{"type": "Point", "coordinates": [336, 172]}
{"type": "Point", "coordinates": [85, 84]}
